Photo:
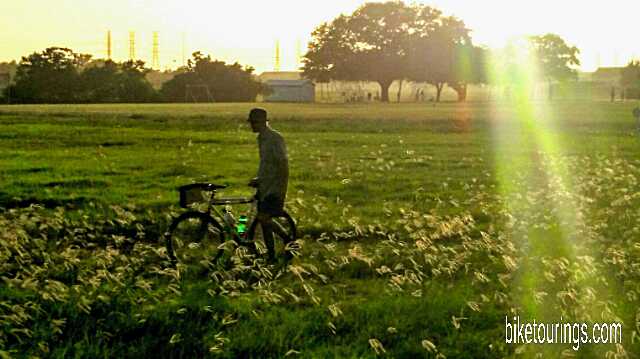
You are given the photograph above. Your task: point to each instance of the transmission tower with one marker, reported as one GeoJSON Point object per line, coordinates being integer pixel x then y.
{"type": "Point", "coordinates": [132, 45]}
{"type": "Point", "coordinates": [109, 45]}
{"type": "Point", "coordinates": [155, 63]}
{"type": "Point", "coordinates": [184, 40]}
{"type": "Point", "coordinates": [298, 54]}
{"type": "Point", "coordinates": [277, 63]}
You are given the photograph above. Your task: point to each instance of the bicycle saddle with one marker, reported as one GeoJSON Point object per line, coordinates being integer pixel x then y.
{"type": "Point", "coordinates": [202, 186]}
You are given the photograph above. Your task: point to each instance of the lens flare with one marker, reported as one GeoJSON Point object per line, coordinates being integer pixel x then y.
{"type": "Point", "coordinates": [542, 205]}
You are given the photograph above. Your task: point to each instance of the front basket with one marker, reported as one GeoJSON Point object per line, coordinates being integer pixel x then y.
{"type": "Point", "coordinates": [193, 193]}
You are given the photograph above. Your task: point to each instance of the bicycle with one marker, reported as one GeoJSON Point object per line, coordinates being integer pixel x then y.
{"type": "Point", "coordinates": [196, 236]}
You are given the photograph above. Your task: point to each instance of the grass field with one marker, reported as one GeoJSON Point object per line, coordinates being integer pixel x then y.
{"type": "Point", "coordinates": [421, 228]}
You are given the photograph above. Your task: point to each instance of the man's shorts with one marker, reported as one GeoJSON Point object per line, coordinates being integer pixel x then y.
{"type": "Point", "coordinates": [271, 205]}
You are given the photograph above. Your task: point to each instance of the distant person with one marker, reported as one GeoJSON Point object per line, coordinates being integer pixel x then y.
{"type": "Point", "coordinates": [369, 96]}
{"type": "Point", "coordinates": [613, 93]}
{"type": "Point", "coordinates": [273, 175]}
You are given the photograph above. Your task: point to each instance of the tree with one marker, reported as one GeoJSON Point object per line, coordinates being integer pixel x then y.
{"type": "Point", "coordinates": [48, 77]}
{"type": "Point", "coordinates": [225, 83]}
{"type": "Point", "coordinates": [9, 68]}
{"type": "Point", "coordinates": [372, 44]}
{"type": "Point", "coordinates": [631, 75]}
{"type": "Point", "coordinates": [58, 75]}
{"type": "Point", "coordinates": [134, 84]}
{"type": "Point", "coordinates": [555, 58]}
{"type": "Point", "coordinates": [446, 56]}
{"type": "Point", "coordinates": [470, 67]}
{"type": "Point", "coordinates": [630, 79]}
{"type": "Point", "coordinates": [7, 74]}
{"type": "Point", "coordinates": [111, 82]}
{"type": "Point", "coordinates": [100, 83]}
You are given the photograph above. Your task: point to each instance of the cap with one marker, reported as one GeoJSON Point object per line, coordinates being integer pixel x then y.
{"type": "Point", "coordinates": [257, 114]}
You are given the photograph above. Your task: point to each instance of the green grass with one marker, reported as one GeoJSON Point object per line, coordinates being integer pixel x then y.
{"type": "Point", "coordinates": [411, 216]}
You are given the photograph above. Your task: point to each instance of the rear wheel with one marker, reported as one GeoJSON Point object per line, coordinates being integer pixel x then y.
{"type": "Point", "coordinates": [284, 235]}
{"type": "Point", "coordinates": [194, 240]}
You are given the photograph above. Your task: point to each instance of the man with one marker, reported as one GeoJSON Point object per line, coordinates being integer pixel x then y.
{"type": "Point", "coordinates": [273, 175]}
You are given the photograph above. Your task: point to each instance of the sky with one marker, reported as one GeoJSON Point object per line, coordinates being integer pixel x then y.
{"type": "Point", "coordinates": [246, 31]}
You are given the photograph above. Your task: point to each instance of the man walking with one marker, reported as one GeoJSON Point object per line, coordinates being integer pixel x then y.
{"type": "Point", "coordinates": [273, 175]}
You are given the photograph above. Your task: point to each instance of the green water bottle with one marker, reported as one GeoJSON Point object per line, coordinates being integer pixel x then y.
{"type": "Point", "coordinates": [241, 226]}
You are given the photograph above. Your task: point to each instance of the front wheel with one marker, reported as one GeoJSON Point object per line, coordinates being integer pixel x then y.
{"type": "Point", "coordinates": [194, 239]}
{"type": "Point", "coordinates": [284, 235]}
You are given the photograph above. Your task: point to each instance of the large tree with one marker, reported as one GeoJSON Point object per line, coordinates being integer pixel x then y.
{"type": "Point", "coordinates": [222, 82]}
{"type": "Point", "coordinates": [134, 84]}
{"type": "Point", "coordinates": [111, 82]}
{"type": "Point", "coordinates": [556, 59]}
{"type": "Point", "coordinates": [470, 67]}
{"type": "Point", "coordinates": [59, 75]}
{"type": "Point", "coordinates": [48, 77]}
{"type": "Point", "coordinates": [445, 55]}
{"type": "Point", "coordinates": [100, 83]}
{"type": "Point", "coordinates": [631, 75]}
{"type": "Point", "coordinates": [9, 68]}
{"type": "Point", "coordinates": [630, 79]}
{"type": "Point", "coordinates": [372, 44]}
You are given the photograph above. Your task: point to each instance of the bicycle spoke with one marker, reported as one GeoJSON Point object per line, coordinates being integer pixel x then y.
{"type": "Point", "coordinates": [195, 241]}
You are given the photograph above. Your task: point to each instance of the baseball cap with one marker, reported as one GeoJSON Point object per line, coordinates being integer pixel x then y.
{"type": "Point", "coordinates": [257, 114]}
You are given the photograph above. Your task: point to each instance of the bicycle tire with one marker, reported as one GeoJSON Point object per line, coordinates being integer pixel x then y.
{"type": "Point", "coordinates": [194, 237]}
{"type": "Point", "coordinates": [285, 232]}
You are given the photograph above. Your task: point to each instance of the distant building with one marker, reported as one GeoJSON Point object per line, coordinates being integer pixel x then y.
{"type": "Point", "coordinates": [291, 91]}
{"type": "Point", "coordinates": [287, 86]}
{"type": "Point", "coordinates": [280, 75]}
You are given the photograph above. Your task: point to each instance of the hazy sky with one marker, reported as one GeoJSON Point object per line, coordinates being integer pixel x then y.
{"type": "Point", "coordinates": [246, 31]}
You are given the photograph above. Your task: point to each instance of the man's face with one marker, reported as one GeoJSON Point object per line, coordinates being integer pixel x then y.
{"type": "Point", "coordinates": [256, 125]}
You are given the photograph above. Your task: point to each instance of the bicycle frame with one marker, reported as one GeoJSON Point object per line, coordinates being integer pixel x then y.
{"type": "Point", "coordinates": [213, 212]}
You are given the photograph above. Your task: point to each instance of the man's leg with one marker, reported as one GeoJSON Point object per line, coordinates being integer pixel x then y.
{"type": "Point", "coordinates": [267, 233]}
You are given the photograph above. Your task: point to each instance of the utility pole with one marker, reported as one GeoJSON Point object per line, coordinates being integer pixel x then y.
{"type": "Point", "coordinates": [132, 45]}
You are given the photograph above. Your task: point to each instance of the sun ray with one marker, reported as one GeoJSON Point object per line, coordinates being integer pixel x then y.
{"type": "Point", "coordinates": [542, 205]}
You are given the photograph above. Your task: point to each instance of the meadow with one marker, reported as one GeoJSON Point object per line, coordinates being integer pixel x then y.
{"type": "Point", "coordinates": [421, 228]}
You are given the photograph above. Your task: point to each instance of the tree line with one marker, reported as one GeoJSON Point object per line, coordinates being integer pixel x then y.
{"type": "Point", "coordinates": [381, 42]}
{"type": "Point", "coordinates": [385, 42]}
{"type": "Point", "coordinates": [60, 75]}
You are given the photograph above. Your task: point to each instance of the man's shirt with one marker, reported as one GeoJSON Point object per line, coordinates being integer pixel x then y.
{"type": "Point", "coordinates": [273, 173]}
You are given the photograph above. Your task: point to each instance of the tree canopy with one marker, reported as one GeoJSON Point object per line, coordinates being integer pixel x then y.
{"type": "Point", "coordinates": [631, 75]}
{"type": "Point", "coordinates": [59, 75]}
{"type": "Point", "coordinates": [50, 76]}
{"type": "Point", "coordinates": [555, 58]}
{"type": "Point", "coordinates": [207, 79]}
{"type": "Point", "coordinates": [448, 57]}
{"type": "Point", "coordinates": [389, 41]}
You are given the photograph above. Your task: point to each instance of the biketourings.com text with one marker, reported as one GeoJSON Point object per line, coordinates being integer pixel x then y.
{"type": "Point", "coordinates": [517, 332]}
